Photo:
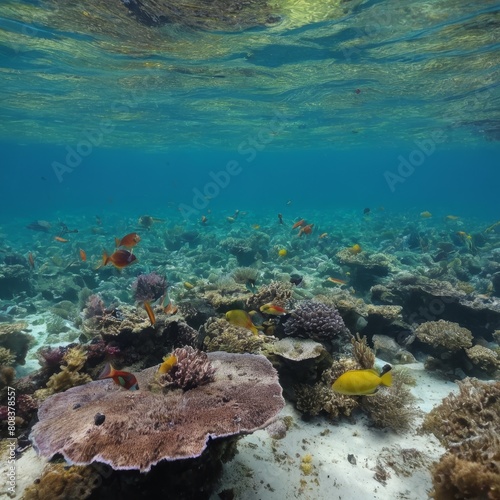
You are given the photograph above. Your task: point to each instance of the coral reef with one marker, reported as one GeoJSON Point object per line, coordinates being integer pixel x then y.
{"type": "Point", "coordinates": [60, 482]}
{"type": "Point", "coordinates": [192, 369]}
{"type": "Point", "coordinates": [94, 307]}
{"type": "Point", "coordinates": [245, 276]}
{"type": "Point", "coordinates": [15, 340]}
{"type": "Point", "coordinates": [6, 357]}
{"type": "Point", "coordinates": [314, 320]}
{"type": "Point", "coordinates": [296, 349]}
{"type": "Point", "coordinates": [279, 293]}
{"type": "Point", "coordinates": [471, 470]}
{"type": "Point", "coordinates": [362, 352]}
{"type": "Point", "coordinates": [141, 428]}
{"type": "Point", "coordinates": [444, 334]}
{"type": "Point", "coordinates": [424, 298]}
{"type": "Point", "coordinates": [219, 335]}
{"type": "Point", "coordinates": [69, 376]}
{"type": "Point", "coordinates": [483, 358]}
{"type": "Point", "coordinates": [466, 415]}
{"type": "Point", "coordinates": [149, 287]}
{"type": "Point", "coordinates": [14, 279]}
{"type": "Point", "coordinates": [392, 407]}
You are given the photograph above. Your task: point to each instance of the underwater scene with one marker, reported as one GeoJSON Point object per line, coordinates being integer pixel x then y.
{"type": "Point", "coordinates": [249, 250]}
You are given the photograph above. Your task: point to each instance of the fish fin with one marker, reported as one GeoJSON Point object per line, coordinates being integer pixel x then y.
{"type": "Point", "coordinates": [254, 329]}
{"type": "Point", "coordinates": [105, 258]}
{"type": "Point", "coordinates": [371, 393]}
{"type": "Point", "coordinates": [386, 379]}
{"type": "Point", "coordinates": [117, 242]}
{"type": "Point", "coordinates": [108, 371]}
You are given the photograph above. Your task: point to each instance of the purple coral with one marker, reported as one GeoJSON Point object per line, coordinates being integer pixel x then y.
{"type": "Point", "coordinates": [94, 307]}
{"type": "Point", "coordinates": [51, 358]}
{"type": "Point", "coordinates": [192, 369]}
{"type": "Point", "coordinates": [149, 287]}
{"type": "Point", "coordinates": [314, 320]}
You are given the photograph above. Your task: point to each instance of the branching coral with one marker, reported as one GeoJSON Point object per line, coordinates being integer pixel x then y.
{"type": "Point", "coordinates": [94, 307]}
{"type": "Point", "coordinates": [466, 415]}
{"type": "Point", "coordinates": [445, 334]}
{"type": "Point", "coordinates": [191, 369]}
{"type": "Point", "coordinates": [392, 407]}
{"type": "Point", "coordinates": [362, 352]}
{"type": "Point", "coordinates": [471, 470]}
{"type": "Point", "coordinates": [314, 320]}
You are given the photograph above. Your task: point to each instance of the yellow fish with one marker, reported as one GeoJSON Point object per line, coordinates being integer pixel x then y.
{"type": "Point", "coordinates": [168, 363]}
{"type": "Point", "coordinates": [238, 317]}
{"type": "Point", "coordinates": [282, 252]}
{"type": "Point", "coordinates": [188, 286]}
{"type": "Point", "coordinates": [452, 217]}
{"type": "Point", "coordinates": [355, 249]}
{"type": "Point", "coordinates": [425, 215]}
{"type": "Point", "coordinates": [362, 382]}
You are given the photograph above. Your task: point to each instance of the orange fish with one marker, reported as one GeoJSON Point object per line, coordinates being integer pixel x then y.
{"type": "Point", "coordinates": [128, 241]}
{"type": "Point", "coordinates": [306, 230]}
{"type": "Point", "coordinates": [125, 379]}
{"type": "Point", "coordinates": [299, 223]}
{"type": "Point", "coordinates": [337, 281]}
{"type": "Point", "coordinates": [62, 240]}
{"type": "Point", "coordinates": [151, 314]}
{"type": "Point", "coordinates": [272, 309]}
{"type": "Point", "coordinates": [83, 255]}
{"type": "Point", "coordinates": [170, 309]}
{"type": "Point", "coordinates": [31, 260]}
{"type": "Point", "coordinates": [120, 258]}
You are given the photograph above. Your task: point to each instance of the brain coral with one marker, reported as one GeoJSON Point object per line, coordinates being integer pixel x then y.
{"type": "Point", "coordinates": [137, 429]}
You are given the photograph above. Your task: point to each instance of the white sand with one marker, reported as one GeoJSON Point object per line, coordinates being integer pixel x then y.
{"type": "Point", "coordinates": [269, 469]}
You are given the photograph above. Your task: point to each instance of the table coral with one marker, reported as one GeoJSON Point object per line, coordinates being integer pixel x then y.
{"type": "Point", "coordinates": [483, 358]}
{"type": "Point", "coordinates": [142, 428]}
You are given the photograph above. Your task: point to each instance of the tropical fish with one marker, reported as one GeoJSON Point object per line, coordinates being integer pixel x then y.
{"type": "Point", "coordinates": [280, 218]}
{"type": "Point", "coordinates": [151, 314]}
{"type": "Point", "coordinates": [168, 363]}
{"type": "Point", "coordinates": [238, 317]}
{"type": "Point", "coordinates": [125, 379]}
{"type": "Point", "coordinates": [306, 230]}
{"type": "Point", "coordinates": [337, 281]}
{"type": "Point", "coordinates": [355, 249]}
{"type": "Point", "coordinates": [188, 286]}
{"type": "Point", "coordinates": [366, 211]}
{"type": "Point", "coordinates": [299, 223]}
{"type": "Point", "coordinates": [61, 240]}
{"type": "Point", "coordinates": [272, 309]}
{"type": "Point", "coordinates": [31, 260]}
{"type": "Point", "coordinates": [120, 258]}
{"type": "Point", "coordinates": [282, 252]}
{"type": "Point", "coordinates": [148, 220]}
{"type": "Point", "coordinates": [323, 236]}
{"type": "Point", "coordinates": [230, 219]}
{"type": "Point", "coordinates": [362, 382]}
{"type": "Point", "coordinates": [128, 241]}
{"type": "Point", "coordinates": [256, 226]}
{"type": "Point", "coordinates": [452, 217]}
{"type": "Point", "coordinates": [204, 219]}
{"type": "Point", "coordinates": [83, 255]}
{"type": "Point", "coordinates": [425, 215]}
